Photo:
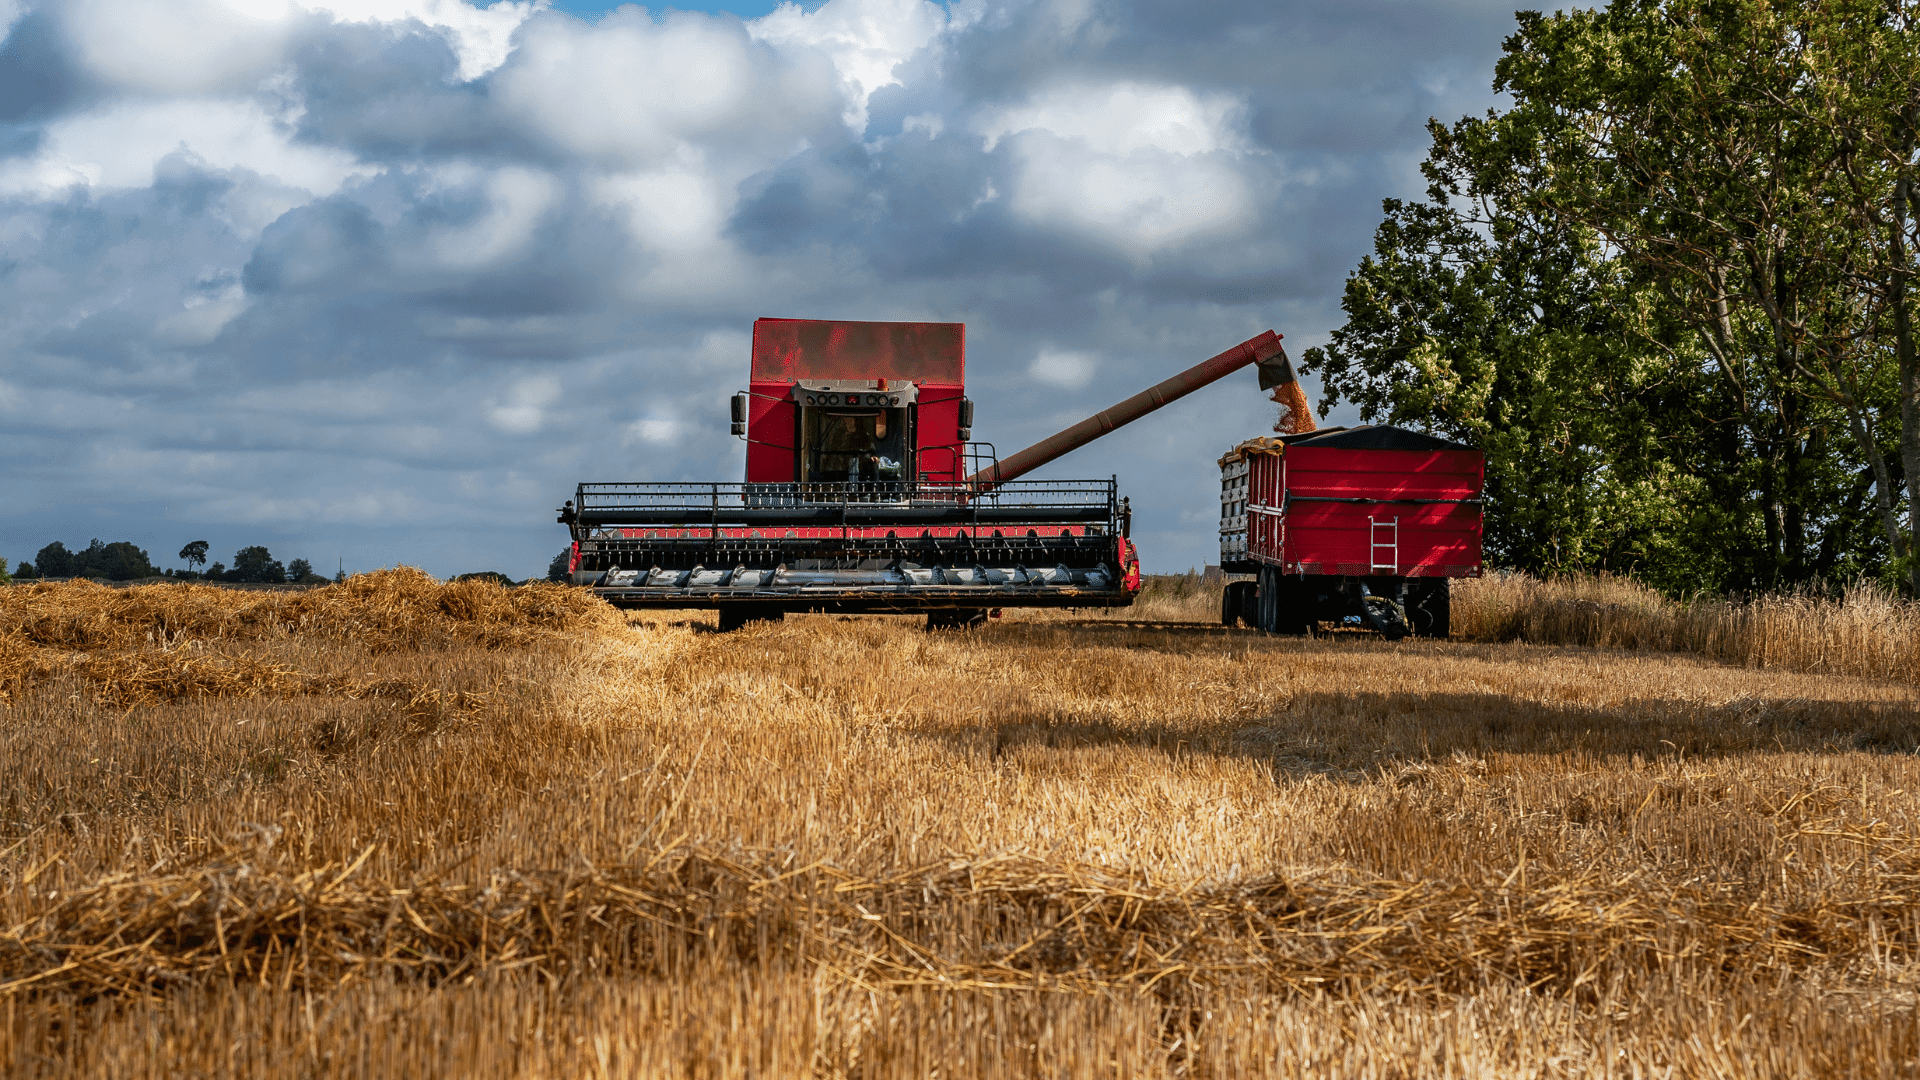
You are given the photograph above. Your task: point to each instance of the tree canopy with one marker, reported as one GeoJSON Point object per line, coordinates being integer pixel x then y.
{"type": "Point", "coordinates": [256, 564]}
{"type": "Point", "coordinates": [1667, 292]}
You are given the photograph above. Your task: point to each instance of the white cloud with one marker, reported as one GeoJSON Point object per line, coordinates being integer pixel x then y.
{"type": "Point", "coordinates": [525, 409]}
{"type": "Point", "coordinates": [10, 12]}
{"type": "Point", "coordinates": [633, 93]}
{"type": "Point", "coordinates": [1065, 369]}
{"type": "Point", "coordinates": [1140, 204]}
{"type": "Point", "coordinates": [518, 200]}
{"type": "Point", "coordinates": [656, 430]}
{"type": "Point", "coordinates": [931, 123]}
{"type": "Point", "coordinates": [866, 40]}
{"type": "Point", "coordinates": [186, 47]}
{"type": "Point", "coordinates": [201, 319]}
{"type": "Point", "coordinates": [1122, 118]}
{"type": "Point", "coordinates": [202, 46]}
{"type": "Point", "coordinates": [481, 37]}
{"type": "Point", "coordinates": [672, 210]}
{"type": "Point", "coordinates": [1140, 167]}
{"type": "Point", "coordinates": [117, 145]}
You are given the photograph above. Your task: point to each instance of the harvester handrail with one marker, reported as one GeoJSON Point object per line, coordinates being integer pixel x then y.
{"type": "Point", "coordinates": [904, 503]}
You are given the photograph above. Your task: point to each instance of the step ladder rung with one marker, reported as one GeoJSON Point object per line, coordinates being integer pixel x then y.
{"type": "Point", "coordinates": [1391, 545]}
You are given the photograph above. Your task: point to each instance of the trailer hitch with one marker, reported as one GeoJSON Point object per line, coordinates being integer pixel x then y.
{"type": "Point", "coordinates": [1386, 615]}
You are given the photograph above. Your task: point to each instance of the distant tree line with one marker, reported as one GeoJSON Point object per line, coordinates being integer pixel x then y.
{"type": "Point", "coordinates": [122, 561]}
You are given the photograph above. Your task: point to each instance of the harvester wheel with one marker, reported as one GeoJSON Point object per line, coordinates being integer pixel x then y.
{"type": "Point", "coordinates": [735, 616]}
{"type": "Point", "coordinates": [957, 619]}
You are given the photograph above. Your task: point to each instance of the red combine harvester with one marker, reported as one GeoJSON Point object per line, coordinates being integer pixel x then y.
{"type": "Point", "coordinates": [865, 492]}
{"type": "Point", "coordinates": [1361, 526]}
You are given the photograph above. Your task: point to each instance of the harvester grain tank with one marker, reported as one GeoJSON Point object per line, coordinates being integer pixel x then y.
{"type": "Point", "coordinates": [866, 492]}
{"type": "Point", "coordinates": [1361, 525]}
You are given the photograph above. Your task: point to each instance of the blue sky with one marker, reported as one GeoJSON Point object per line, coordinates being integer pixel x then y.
{"type": "Point", "coordinates": [382, 280]}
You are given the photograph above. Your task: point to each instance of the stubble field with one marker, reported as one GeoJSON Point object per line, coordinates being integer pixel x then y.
{"type": "Point", "coordinates": [397, 827]}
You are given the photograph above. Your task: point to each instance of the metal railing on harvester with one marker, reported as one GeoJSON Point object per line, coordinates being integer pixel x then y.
{"type": "Point", "coordinates": [862, 504]}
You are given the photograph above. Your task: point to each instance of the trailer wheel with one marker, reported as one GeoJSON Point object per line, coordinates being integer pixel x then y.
{"type": "Point", "coordinates": [1292, 611]}
{"type": "Point", "coordinates": [1237, 604]}
{"type": "Point", "coordinates": [1283, 604]}
{"type": "Point", "coordinates": [735, 616]}
{"type": "Point", "coordinates": [1430, 610]}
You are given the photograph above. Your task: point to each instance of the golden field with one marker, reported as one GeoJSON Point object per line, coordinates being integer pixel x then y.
{"type": "Point", "coordinates": [396, 827]}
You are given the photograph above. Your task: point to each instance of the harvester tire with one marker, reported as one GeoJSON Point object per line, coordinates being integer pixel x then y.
{"type": "Point", "coordinates": [735, 616]}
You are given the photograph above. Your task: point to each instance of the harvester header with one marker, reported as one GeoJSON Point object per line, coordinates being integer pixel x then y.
{"type": "Point", "coordinates": [865, 491]}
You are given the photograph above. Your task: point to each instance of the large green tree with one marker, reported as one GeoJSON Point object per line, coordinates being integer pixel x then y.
{"type": "Point", "coordinates": [1711, 201]}
{"type": "Point", "coordinates": [1753, 160]}
{"type": "Point", "coordinates": [1522, 337]}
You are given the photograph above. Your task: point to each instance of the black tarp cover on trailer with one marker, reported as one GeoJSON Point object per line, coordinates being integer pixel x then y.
{"type": "Point", "coordinates": [1372, 437]}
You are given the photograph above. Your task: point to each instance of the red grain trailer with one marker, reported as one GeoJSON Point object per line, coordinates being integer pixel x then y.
{"type": "Point", "coordinates": [1360, 526]}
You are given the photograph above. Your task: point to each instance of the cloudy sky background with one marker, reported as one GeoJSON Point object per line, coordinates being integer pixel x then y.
{"type": "Point", "coordinates": [380, 281]}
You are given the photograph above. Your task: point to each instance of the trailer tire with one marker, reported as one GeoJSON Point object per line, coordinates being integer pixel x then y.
{"type": "Point", "coordinates": [1291, 612]}
{"type": "Point", "coordinates": [1283, 604]}
{"type": "Point", "coordinates": [1237, 604]}
{"type": "Point", "coordinates": [1430, 610]}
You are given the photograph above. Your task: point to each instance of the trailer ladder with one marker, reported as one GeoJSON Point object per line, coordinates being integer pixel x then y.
{"type": "Point", "coordinates": [1391, 544]}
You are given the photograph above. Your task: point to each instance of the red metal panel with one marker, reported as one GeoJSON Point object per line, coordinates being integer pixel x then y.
{"type": "Point", "coordinates": [1337, 538]}
{"type": "Point", "coordinates": [1430, 538]}
{"type": "Point", "coordinates": [771, 431]}
{"type": "Point", "coordinates": [937, 433]}
{"type": "Point", "coordinates": [788, 349]}
{"type": "Point", "coordinates": [1384, 474]}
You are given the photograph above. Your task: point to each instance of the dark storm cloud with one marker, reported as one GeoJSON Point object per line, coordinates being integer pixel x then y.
{"type": "Point", "coordinates": [389, 287]}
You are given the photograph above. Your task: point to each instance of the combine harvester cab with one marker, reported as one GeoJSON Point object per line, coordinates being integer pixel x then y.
{"type": "Point", "coordinates": [865, 493]}
{"type": "Point", "coordinates": [1360, 526]}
